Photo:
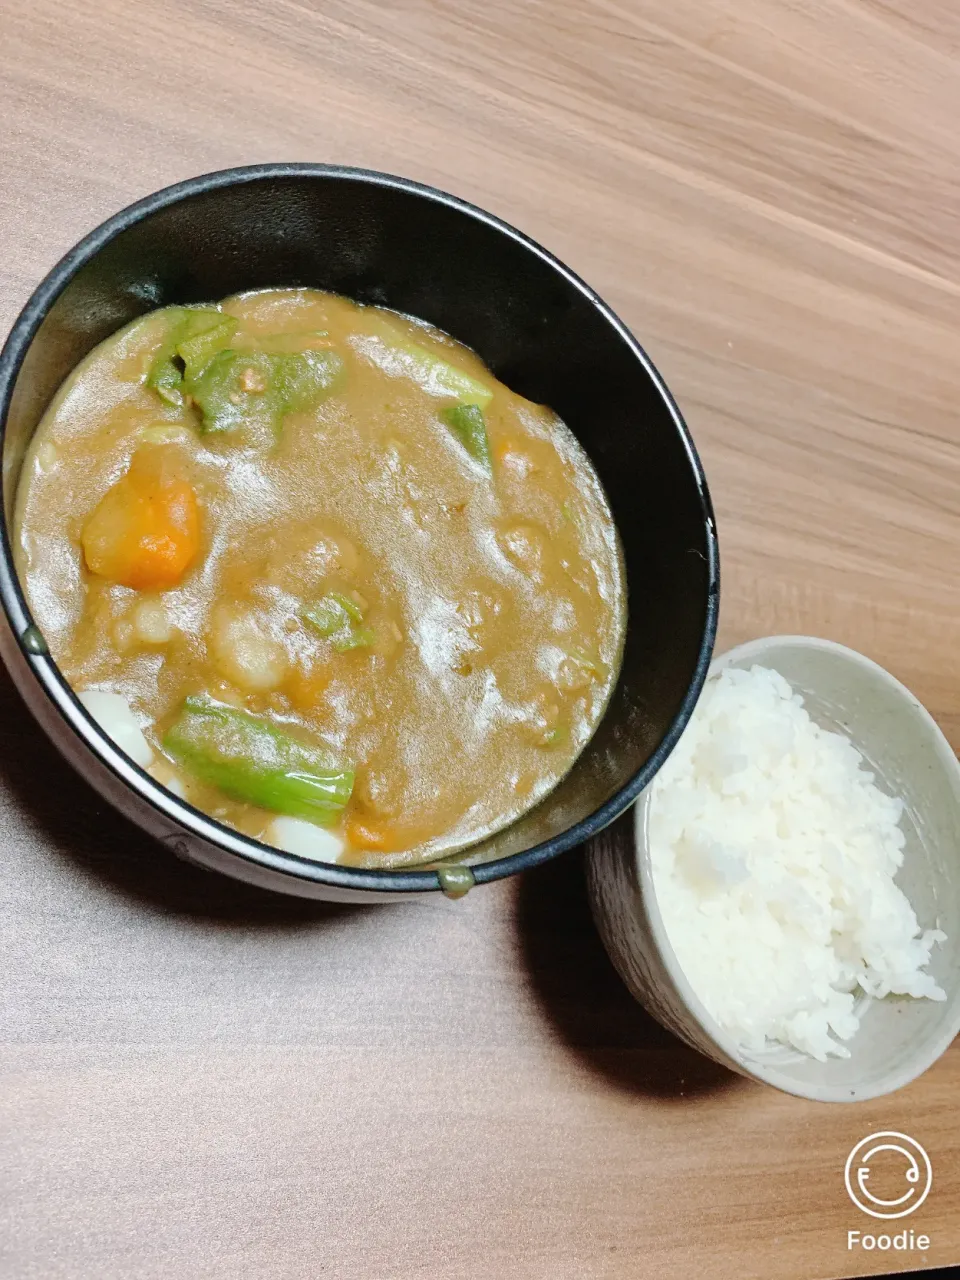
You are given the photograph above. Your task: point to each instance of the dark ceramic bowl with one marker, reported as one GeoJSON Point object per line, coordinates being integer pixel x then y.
{"type": "Point", "coordinates": [541, 330]}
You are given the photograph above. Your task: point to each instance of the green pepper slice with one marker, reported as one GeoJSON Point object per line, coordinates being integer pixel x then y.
{"type": "Point", "coordinates": [237, 386]}
{"type": "Point", "coordinates": [467, 423]}
{"type": "Point", "coordinates": [251, 760]}
{"type": "Point", "coordinates": [194, 335]}
{"type": "Point", "coordinates": [437, 376]}
{"type": "Point", "coordinates": [337, 618]}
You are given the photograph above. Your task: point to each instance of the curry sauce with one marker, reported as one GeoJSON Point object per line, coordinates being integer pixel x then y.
{"type": "Point", "coordinates": [339, 573]}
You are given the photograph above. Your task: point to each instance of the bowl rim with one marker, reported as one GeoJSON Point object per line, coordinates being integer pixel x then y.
{"type": "Point", "coordinates": [64, 701]}
{"type": "Point", "coordinates": [758, 1066]}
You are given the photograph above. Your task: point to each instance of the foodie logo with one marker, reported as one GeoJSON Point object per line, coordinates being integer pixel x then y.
{"type": "Point", "coordinates": [903, 1175]}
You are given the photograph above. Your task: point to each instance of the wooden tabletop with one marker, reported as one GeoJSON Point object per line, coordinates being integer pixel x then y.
{"type": "Point", "coordinates": [200, 1081]}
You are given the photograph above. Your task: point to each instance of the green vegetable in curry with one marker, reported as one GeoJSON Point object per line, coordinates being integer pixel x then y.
{"type": "Point", "coordinates": [337, 618]}
{"type": "Point", "coordinates": [236, 386]}
{"type": "Point", "coordinates": [467, 424]}
{"type": "Point", "coordinates": [194, 336]}
{"type": "Point", "coordinates": [253, 761]}
{"type": "Point", "coordinates": [230, 387]}
{"type": "Point", "coordinates": [434, 374]}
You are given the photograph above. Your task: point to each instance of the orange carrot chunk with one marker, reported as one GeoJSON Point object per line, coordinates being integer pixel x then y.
{"type": "Point", "coordinates": [370, 835]}
{"type": "Point", "coordinates": [145, 532]}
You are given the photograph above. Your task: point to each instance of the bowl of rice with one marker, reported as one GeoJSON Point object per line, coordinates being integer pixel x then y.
{"type": "Point", "coordinates": [785, 895]}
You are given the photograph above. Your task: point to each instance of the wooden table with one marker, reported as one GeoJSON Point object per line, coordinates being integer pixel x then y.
{"type": "Point", "coordinates": [200, 1081]}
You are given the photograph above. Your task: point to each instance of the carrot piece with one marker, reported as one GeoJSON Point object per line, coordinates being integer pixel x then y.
{"type": "Point", "coordinates": [307, 690]}
{"type": "Point", "coordinates": [145, 532]}
{"type": "Point", "coordinates": [370, 835]}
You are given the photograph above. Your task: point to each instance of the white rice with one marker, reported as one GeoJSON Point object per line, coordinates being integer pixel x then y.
{"type": "Point", "coordinates": [774, 855]}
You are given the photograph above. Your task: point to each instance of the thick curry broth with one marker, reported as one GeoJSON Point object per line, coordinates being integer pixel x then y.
{"type": "Point", "coordinates": [490, 603]}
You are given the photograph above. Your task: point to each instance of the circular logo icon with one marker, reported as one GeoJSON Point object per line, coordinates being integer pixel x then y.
{"type": "Point", "coordinates": [893, 1150]}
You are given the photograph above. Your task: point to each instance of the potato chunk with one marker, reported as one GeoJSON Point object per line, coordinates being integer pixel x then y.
{"type": "Point", "coordinates": [246, 654]}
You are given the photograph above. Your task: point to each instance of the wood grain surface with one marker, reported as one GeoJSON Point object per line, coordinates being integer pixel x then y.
{"type": "Point", "coordinates": [200, 1081]}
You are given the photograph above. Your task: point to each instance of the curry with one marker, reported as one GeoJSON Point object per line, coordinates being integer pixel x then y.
{"type": "Point", "coordinates": [347, 592]}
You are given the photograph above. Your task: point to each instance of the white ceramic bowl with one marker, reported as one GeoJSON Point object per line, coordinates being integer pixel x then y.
{"type": "Point", "coordinates": [899, 1037]}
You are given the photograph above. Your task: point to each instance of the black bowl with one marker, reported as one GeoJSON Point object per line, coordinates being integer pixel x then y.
{"type": "Point", "coordinates": [541, 330]}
